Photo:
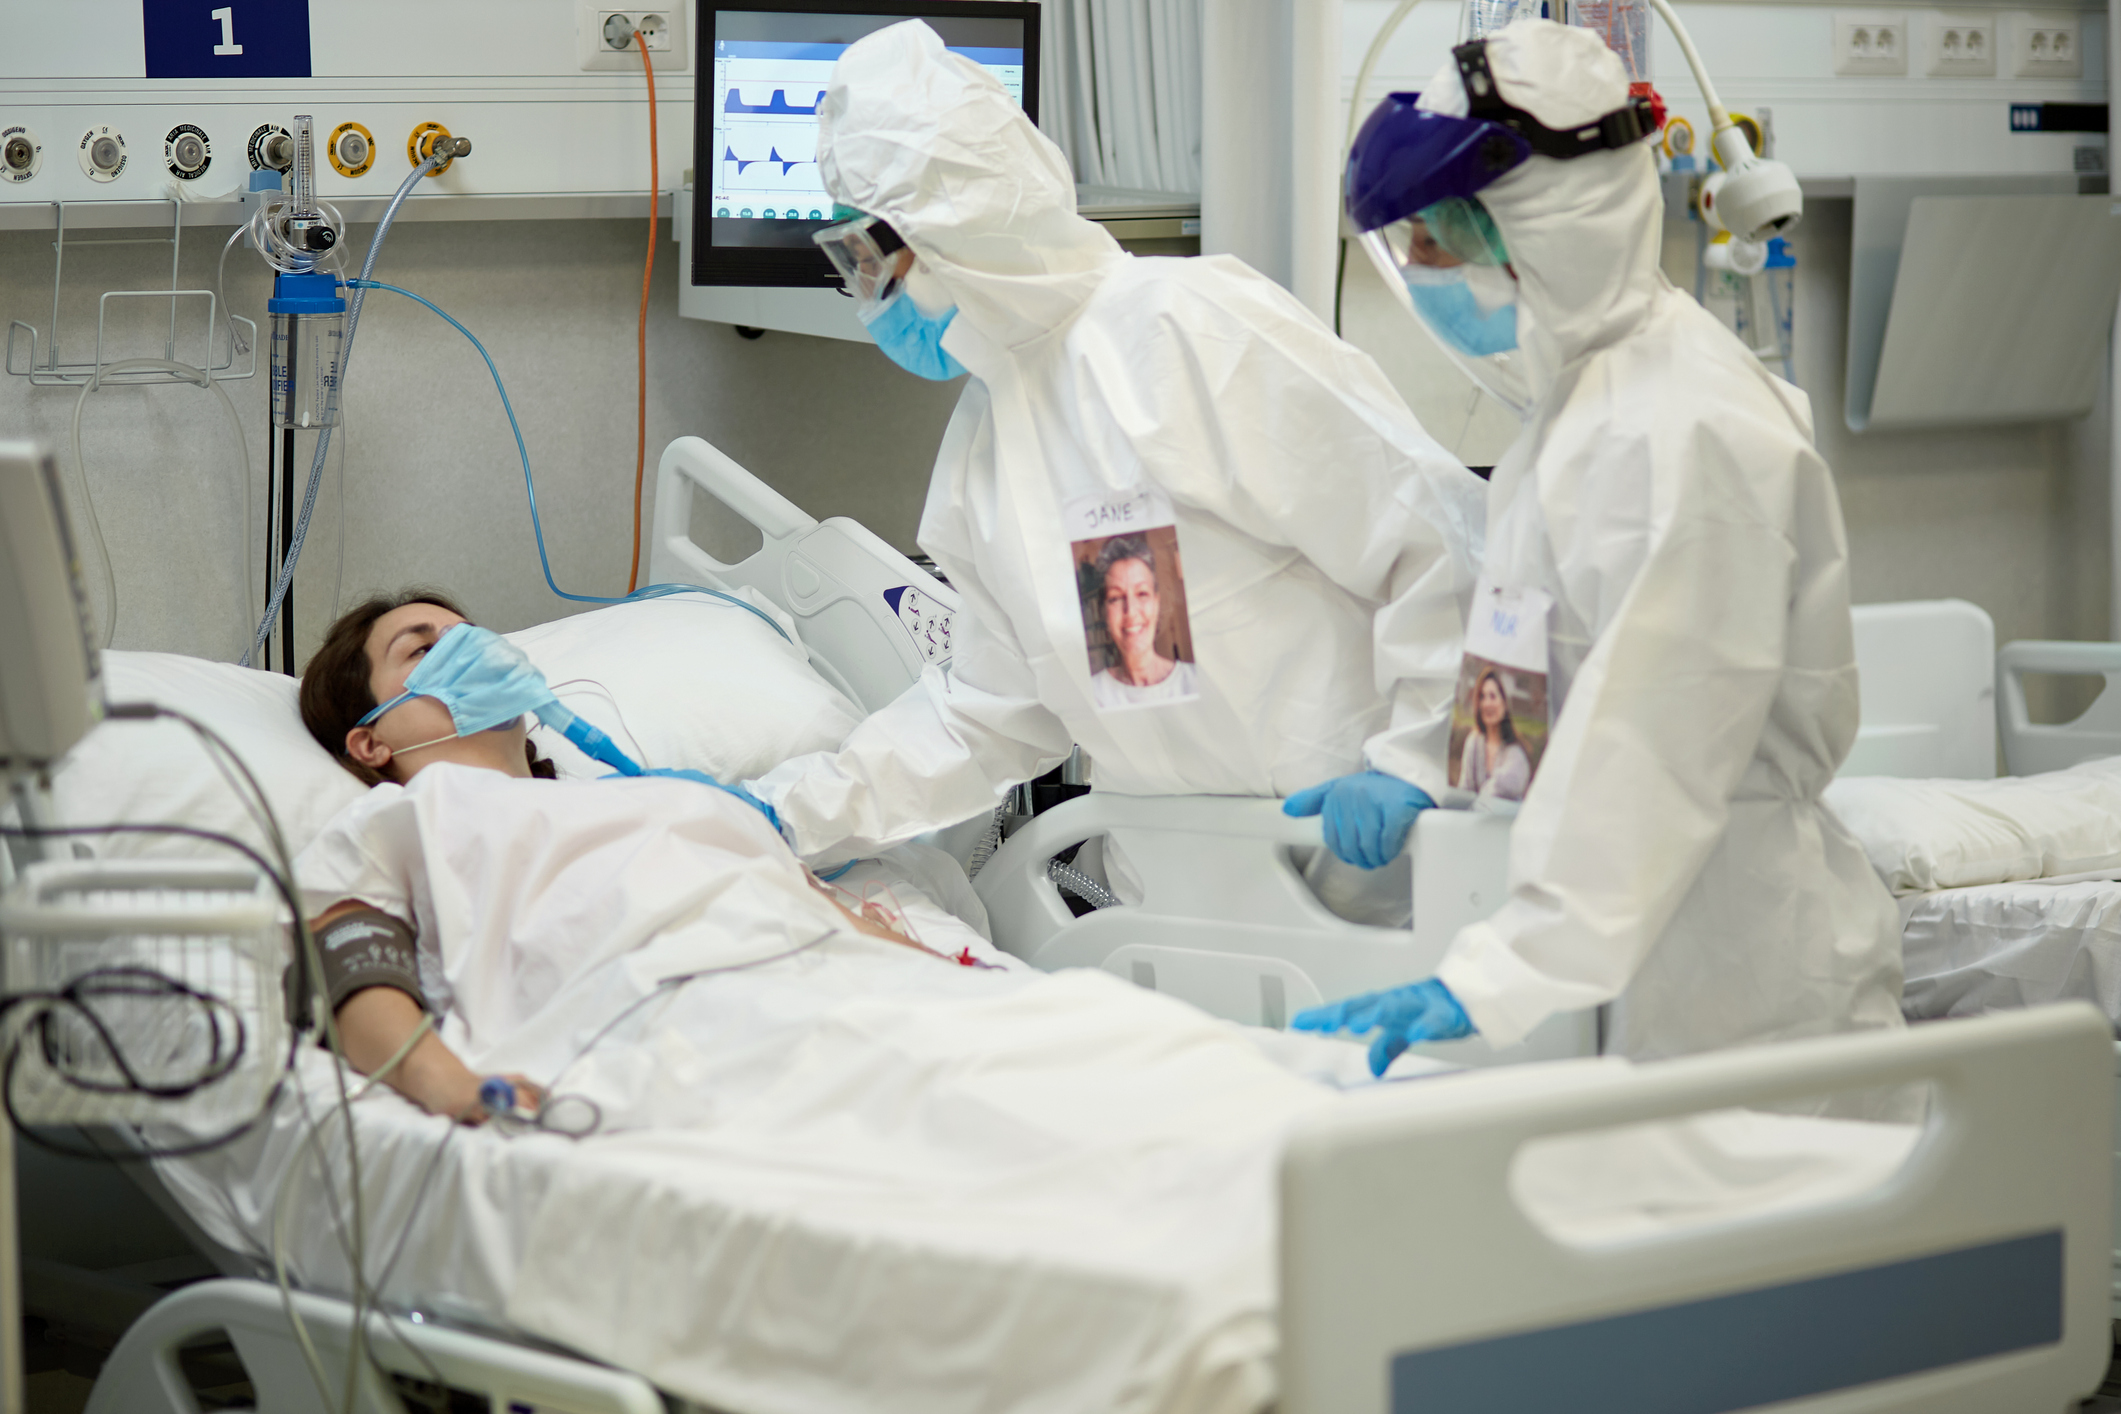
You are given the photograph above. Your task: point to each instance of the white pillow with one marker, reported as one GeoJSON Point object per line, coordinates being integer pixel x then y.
{"type": "Point", "coordinates": [687, 681]}
{"type": "Point", "coordinates": [682, 681]}
{"type": "Point", "coordinates": [1948, 834]}
{"type": "Point", "coordinates": [159, 772]}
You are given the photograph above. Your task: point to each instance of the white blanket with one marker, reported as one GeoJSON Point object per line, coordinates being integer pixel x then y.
{"type": "Point", "coordinates": [838, 1174]}
{"type": "Point", "coordinates": [855, 1179]}
{"type": "Point", "coordinates": [868, 1193]}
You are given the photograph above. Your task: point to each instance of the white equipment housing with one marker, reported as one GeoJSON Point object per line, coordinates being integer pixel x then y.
{"type": "Point", "coordinates": [50, 687]}
{"type": "Point", "coordinates": [848, 590]}
{"type": "Point", "coordinates": [1928, 671]}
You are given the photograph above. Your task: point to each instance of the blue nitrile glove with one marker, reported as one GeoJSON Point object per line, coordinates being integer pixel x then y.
{"type": "Point", "coordinates": [1367, 815]}
{"type": "Point", "coordinates": [1401, 1017]}
{"type": "Point", "coordinates": [683, 774]}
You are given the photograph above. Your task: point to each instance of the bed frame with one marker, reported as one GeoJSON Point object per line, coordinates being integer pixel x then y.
{"type": "Point", "coordinates": [1971, 1279]}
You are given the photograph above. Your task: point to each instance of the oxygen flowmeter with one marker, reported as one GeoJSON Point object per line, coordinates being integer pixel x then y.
{"type": "Point", "coordinates": [308, 317]}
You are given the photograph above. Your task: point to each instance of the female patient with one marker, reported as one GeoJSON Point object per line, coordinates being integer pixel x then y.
{"type": "Point", "coordinates": [517, 913]}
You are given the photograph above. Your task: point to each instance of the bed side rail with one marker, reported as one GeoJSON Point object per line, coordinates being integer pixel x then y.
{"type": "Point", "coordinates": [870, 618]}
{"type": "Point", "coordinates": [2031, 747]}
{"type": "Point", "coordinates": [1972, 1278]}
{"type": "Point", "coordinates": [1225, 920]}
{"type": "Point", "coordinates": [143, 1376]}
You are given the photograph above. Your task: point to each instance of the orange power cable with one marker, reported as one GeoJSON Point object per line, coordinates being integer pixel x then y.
{"type": "Point", "coordinates": [655, 183]}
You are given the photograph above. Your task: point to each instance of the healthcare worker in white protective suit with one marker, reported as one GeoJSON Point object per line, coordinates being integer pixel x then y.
{"type": "Point", "coordinates": [1664, 541]}
{"type": "Point", "coordinates": [1194, 531]}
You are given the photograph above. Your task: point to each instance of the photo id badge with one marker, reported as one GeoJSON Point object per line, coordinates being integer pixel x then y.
{"type": "Point", "coordinates": [1133, 593]}
{"type": "Point", "coordinates": [1499, 716]}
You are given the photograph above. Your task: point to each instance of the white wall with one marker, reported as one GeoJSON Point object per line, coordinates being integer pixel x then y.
{"type": "Point", "coordinates": [433, 483]}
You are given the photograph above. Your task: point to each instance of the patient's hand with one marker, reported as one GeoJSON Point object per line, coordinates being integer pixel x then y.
{"type": "Point", "coordinates": [868, 919]}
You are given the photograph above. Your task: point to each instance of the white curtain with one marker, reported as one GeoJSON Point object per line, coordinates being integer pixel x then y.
{"type": "Point", "coordinates": [1119, 90]}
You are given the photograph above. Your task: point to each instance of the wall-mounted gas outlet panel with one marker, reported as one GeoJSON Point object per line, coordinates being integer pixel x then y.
{"type": "Point", "coordinates": [1872, 43]}
{"type": "Point", "coordinates": [2046, 44]}
{"type": "Point", "coordinates": [1959, 44]}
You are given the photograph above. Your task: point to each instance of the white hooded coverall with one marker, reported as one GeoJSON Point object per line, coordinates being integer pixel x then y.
{"type": "Point", "coordinates": [1328, 544]}
{"type": "Point", "coordinates": [1673, 852]}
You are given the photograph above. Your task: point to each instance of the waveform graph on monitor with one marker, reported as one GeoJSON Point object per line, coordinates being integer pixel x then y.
{"type": "Point", "coordinates": [767, 126]}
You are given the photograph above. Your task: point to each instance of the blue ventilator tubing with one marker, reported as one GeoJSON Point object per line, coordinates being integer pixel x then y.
{"type": "Point", "coordinates": [590, 741]}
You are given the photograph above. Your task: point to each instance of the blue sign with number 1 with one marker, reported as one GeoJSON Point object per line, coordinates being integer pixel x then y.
{"type": "Point", "coordinates": [226, 39]}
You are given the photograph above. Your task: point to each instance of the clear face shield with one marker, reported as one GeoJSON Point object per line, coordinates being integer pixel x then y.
{"type": "Point", "coordinates": [1447, 265]}
{"type": "Point", "coordinates": [871, 260]}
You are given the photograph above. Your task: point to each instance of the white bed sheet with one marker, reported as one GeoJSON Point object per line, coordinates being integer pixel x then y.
{"type": "Point", "coordinates": [868, 1187]}
{"type": "Point", "coordinates": [1975, 950]}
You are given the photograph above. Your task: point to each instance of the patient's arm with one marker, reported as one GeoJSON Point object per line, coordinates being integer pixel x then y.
{"type": "Point", "coordinates": [375, 1022]}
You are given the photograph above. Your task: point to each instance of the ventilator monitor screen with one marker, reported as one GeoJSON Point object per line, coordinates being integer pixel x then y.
{"type": "Point", "coordinates": [757, 195]}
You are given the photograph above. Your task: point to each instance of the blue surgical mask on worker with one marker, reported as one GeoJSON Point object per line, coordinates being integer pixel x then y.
{"type": "Point", "coordinates": [1451, 309]}
{"type": "Point", "coordinates": [913, 338]}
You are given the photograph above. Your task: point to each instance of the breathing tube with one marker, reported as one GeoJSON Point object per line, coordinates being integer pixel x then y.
{"type": "Point", "coordinates": [360, 287]}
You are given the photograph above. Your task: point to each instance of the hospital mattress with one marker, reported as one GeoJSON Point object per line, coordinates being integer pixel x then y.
{"type": "Point", "coordinates": [1973, 950]}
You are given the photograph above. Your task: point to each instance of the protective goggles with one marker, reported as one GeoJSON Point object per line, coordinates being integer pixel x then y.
{"type": "Point", "coordinates": [871, 259]}
{"type": "Point", "coordinates": [1406, 159]}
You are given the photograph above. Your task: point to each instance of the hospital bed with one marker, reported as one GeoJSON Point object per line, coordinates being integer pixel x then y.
{"type": "Point", "coordinates": [1843, 1204]}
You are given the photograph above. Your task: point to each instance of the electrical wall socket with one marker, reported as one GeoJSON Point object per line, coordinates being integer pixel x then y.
{"type": "Point", "coordinates": [604, 37]}
{"type": "Point", "coordinates": [2046, 44]}
{"type": "Point", "coordinates": [1962, 44]}
{"type": "Point", "coordinates": [1866, 44]}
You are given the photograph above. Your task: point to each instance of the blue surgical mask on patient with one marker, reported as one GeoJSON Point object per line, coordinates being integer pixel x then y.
{"type": "Point", "coordinates": [913, 339]}
{"type": "Point", "coordinates": [486, 682]}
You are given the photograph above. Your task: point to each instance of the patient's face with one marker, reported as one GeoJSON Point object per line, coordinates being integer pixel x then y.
{"type": "Point", "coordinates": [397, 643]}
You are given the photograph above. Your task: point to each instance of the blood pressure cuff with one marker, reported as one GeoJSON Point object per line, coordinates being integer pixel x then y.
{"type": "Point", "coordinates": [366, 947]}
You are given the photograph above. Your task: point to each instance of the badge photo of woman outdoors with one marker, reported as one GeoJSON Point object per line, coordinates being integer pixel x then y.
{"type": "Point", "coordinates": [1498, 729]}
{"type": "Point", "coordinates": [1134, 619]}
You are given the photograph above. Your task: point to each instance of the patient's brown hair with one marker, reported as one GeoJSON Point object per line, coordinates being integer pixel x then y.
{"type": "Point", "coordinates": [335, 691]}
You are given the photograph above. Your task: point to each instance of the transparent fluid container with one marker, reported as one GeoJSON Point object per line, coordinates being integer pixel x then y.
{"type": "Point", "coordinates": [1625, 27]}
{"type": "Point", "coordinates": [304, 362]}
{"type": "Point", "coordinates": [1488, 16]}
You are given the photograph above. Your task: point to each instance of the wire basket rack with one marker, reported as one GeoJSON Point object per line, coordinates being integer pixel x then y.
{"type": "Point", "coordinates": [148, 992]}
{"type": "Point", "coordinates": [50, 370]}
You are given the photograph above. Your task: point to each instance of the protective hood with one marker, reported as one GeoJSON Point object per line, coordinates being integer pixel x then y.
{"type": "Point", "coordinates": [1583, 235]}
{"type": "Point", "coordinates": [932, 143]}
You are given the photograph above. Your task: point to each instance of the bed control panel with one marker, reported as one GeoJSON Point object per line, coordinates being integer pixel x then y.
{"type": "Point", "coordinates": [926, 619]}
